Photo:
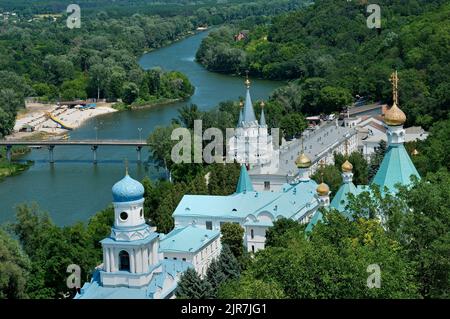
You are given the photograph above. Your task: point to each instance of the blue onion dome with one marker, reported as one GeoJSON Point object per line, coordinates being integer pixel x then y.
{"type": "Point", "coordinates": [127, 190]}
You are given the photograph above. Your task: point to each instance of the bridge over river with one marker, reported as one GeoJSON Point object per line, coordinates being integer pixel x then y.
{"type": "Point", "coordinates": [93, 144]}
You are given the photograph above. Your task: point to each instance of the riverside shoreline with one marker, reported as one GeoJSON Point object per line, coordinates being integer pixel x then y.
{"type": "Point", "coordinates": [34, 116]}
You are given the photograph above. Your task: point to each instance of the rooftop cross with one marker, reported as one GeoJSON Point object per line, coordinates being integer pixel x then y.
{"type": "Point", "coordinates": [247, 81]}
{"type": "Point", "coordinates": [394, 81]}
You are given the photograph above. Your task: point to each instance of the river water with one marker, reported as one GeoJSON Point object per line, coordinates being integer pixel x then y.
{"type": "Point", "coordinates": [73, 189]}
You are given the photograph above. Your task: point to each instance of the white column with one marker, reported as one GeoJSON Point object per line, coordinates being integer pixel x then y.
{"type": "Point", "coordinates": [132, 263]}
{"type": "Point", "coordinates": [137, 254]}
{"type": "Point", "coordinates": [155, 253]}
{"type": "Point", "coordinates": [145, 259]}
{"type": "Point", "coordinates": [143, 262]}
{"type": "Point", "coordinates": [106, 258]}
{"type": "Point", "coordinates": [112, 257]}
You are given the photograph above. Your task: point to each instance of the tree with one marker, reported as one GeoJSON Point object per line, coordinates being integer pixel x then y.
{"type": "Point", "coordinates": [330, 175]}
{"type": "Point", "coordinates": [292, 125]}
{"type": "Point", "coordinates": [191, 286]}
{"type": "Point", "coordinates": [14, 266]}
{"type": "Point", "coordinates": [188, 114]}
{"type": "Point", "coordinates": [130, 92]}
{"type": "Point", "coordinates": [275, 233]}
{"type": "Point", "coordinates": [51, 249]}
{"type": "Point", "coordinates": [248, 287]}
{"type": "Point", "coordinates": [232, 236]}
{"type": "Point", "coordinates": [418, 217]}
{"type": "Point", "coordinates": [334, 99]}
{"type": "Point", "coordinates": [229, 265]}
{"type": "Point", "coordinates": [333, 262]}
{"type": "Point", "coordinates": [215, 277]}
{"type": "Point", "coordinates": [10, 102]}
{"type": "Point", "coordinates": [360, 166]}
{"type": "Point", "coordinates": [223, 178]}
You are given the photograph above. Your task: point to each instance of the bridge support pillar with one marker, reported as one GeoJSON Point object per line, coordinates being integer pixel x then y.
{"type": "Point", "coordinates": [138, 149]}
{"type": "Point", "coordinates": [50, 153]}
{"type": "Point", "coordinates": [94, 153]}
{"type": "Point", "coordinates": [8, 152]}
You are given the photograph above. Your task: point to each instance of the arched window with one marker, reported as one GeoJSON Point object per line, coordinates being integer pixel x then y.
{"type": "Point", "coordinates": [124, 261]}
{"type": "Point", "coordinates": [252, 234]}
{"type": "Point", "coordinates": [140, 212]}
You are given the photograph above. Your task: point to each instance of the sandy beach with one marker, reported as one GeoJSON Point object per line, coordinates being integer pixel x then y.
{"type": "Point", "coordinates": [34, 119]}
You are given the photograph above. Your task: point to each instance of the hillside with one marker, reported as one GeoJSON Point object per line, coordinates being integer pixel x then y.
{"type": "Point", "coordinates": [329, 44]}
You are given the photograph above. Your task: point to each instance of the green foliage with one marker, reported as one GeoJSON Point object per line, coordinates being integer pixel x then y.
{"type": "Point", "coordinates": [51, 249]}
{"type": "Point", "coordinates": [191, 286]}
{"type": "Point", "coordinates": [248, 287]}
{"type": "Point", "coordinates": [434, 152]}
{"type": "Point", "coordinates": [14, 266]}
{"type": "Point", "coordinates": [229, 265]}
{"type": "Point", "coordinates": [274, 234]}
{"type": "Point", "coordinates": [215, 277]}
{"type": "Point", "coordinates": [223, 178]}
{"type": "Point", "coordinates": [333, 263]}
{"type": "Point", "coordinates": [292, 125]}
{"type": "Point", "coordinates": [360, 166]}
{"type": "Point", "coordinates": [232, 236]}
{"type": "Point", "coordinates": [332, 56]}
{"type": "Point", "coordinates": [330, 175]}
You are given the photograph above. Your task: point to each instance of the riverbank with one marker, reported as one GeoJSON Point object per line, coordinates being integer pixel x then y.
{"type": "Point", "coordinates": [35, 122]}
{"type": "Point", "coordinates": [13, 168]}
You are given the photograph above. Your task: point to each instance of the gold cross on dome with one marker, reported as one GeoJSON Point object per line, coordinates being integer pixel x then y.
{"type": "Point", "coordinates": [394, 81]}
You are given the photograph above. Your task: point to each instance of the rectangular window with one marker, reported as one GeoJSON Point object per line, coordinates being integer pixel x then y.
{"type": "Point", "coordinates": [184, 259]}
{"type": "Point", "coordinates": [209, 225]}
{"type": "Point", "coordinates": [267, 185]}
{"type": "Point", "coordinates": [252, 234]}
{"type": "Point", "coordinates": [253, 249]}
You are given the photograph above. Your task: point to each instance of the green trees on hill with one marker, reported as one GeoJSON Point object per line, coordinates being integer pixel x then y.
{"type": "Point", "coordinates": [14, 268]}
{"type": "Point", "coordinates": [328, 51]}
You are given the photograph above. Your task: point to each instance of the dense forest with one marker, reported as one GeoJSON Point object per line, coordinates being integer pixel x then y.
{"type": "Point", "coordinates": [99, 60]}
{"type": "Point", "coordinates": [332, 56]}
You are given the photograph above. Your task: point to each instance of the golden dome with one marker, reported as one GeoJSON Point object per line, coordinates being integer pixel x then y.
{"type": "Point", "coordinates": [347, 166]}
{"type": "Point", "coordinates": [323, 189]}
{"type": "Point", "coordinates": [394, 116]}
{"type": "Point", "coordinates": [303, 161]}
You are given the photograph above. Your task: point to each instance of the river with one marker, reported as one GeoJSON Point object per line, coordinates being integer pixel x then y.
{"type": "Point", "coordinates": [73, 189]}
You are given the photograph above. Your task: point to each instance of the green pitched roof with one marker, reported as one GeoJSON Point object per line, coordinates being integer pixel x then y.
{"type": "Point", "coordinates": [341, 198]}
{"type": "Point", "coordinates": [244, 183]}
{"type": "Point", "coordinates": [396, 167]}
{"type": "Point", "coordinates": [314, 220]}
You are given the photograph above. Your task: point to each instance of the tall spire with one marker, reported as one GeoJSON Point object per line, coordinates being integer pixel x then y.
{"type": "Point", "coordinates": [249, 113]}
{"type": "Point", "coordinates": [241, 105]}
{"type": "Point", "coordinates": [396, 167]}
{"type": "Point", "coordinates": [126, 166]}
{"type": "Point", "coordinates": [262, 120]}
{"type": "Point", "coordinates": [244, 183]}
